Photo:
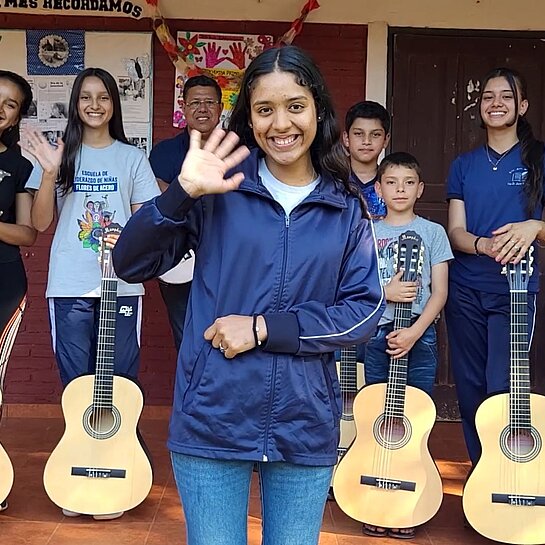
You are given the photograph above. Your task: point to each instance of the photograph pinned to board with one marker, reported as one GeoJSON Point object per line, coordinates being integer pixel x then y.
{"type": "Point", "coordinates": [223, 57]}
{"type": "Point", "coordinates": [137, 135]}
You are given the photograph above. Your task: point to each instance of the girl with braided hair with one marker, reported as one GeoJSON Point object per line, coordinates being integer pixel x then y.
{"type": "Point", "coordinates": [495, 195]}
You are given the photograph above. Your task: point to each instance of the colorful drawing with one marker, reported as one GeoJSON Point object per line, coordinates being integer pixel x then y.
{"type": "Point", "coordinates": [223, 57]}
{"type": "Point", "coordinates": [96, 217]}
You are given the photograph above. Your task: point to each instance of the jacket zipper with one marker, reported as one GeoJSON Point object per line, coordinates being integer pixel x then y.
{"type": "Point", "coordinates": [275, 359]}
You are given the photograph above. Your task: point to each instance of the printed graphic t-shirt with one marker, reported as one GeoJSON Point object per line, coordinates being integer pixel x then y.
{"type": "Point", "coordinates": [14, 172]}
{"type": "Point", "coordinates": [436, 250]}
{"type": "Point", "coordinates": [107, 182]}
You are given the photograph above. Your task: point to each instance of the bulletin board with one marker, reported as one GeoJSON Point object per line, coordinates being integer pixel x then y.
{"type": "Point", "coordinates": [51, 59]}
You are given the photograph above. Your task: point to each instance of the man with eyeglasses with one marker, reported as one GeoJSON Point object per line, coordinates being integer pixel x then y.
{"type": "Point", "coordinates": [202, 108]}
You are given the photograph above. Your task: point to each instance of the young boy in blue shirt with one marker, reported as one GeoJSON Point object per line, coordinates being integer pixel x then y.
{"type": "Point", "coordinates": [366, 135]}
{"type": "Point", "coordinates": [400, 185]}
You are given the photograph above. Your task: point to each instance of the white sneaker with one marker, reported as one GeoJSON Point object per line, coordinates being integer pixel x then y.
{"type": "Point", "coordinates": [71, 514]}
{"type": "Point", "coordinates": [109, 516]}
{"type": "Point", "coordinates": [3, 505]}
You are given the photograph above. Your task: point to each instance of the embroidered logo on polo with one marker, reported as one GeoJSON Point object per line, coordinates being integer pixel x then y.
{"type": "Point", "coordinates": [517, 176]}
{"type": "Point", "coordinates": [3, 174]}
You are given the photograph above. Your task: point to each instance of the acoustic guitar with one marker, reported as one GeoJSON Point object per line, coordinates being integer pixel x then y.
{"type": "Point", "coordinates": [6, 469]}
{"type": "Point", "coordinates": [351, 381]}
{"type": "Point", "coordinates": [388, 478]}
{"type": "Point", "coordinates": [100, 465]}
{"type": "Point", "coordinates": [504, 497]}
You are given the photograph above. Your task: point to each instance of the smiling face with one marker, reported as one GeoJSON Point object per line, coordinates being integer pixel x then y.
{"type": "Point", "coordinates": [400, 187]}
{"type": "Point", "coordinates": [202, 109]}
{"type": "Point", "coordinates": [11, 98]}
{"type": "Point", "coordinates": [498, 106]}
{"type": "Point", "coordinates": [284, 122]}
{"type": "Point", "coordinates": [365, 140]}
{"type": "Point", "coordinates": [95, 106]}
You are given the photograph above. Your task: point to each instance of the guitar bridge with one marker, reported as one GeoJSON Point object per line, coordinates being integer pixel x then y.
{"type": "Point", "coordinates": [388, 484]}
{"type": "Point", "coordinates": [98, 472]}
{"type": "Point", "coordinates": [519, 499]}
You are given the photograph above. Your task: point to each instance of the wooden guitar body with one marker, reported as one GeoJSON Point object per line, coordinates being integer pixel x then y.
{"type": "Point", "coordinates": [6, 471]}
{"type": "Point", "coordinates": [504, 497]}
{"type": "Point", "coordinates": [347, 425]}
{"type": "Point", "coordinates": [99, 466]}
{"type": "Point", "coordinates": [387, 477]}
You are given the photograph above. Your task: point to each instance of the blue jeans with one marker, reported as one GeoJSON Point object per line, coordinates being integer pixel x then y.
{"type": "Point", "coordinates": [422, 359]}
{"type": "Point", "coordinates": [215, 496]}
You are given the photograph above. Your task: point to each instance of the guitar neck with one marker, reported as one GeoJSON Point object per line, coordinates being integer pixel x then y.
{"type": "Point", "coordinates": [519, 396]}
{"type": "Point", "coordinates": [103, 387]}
{"type": "Point", "coordinates": [397, 375]}
{"type": "Point", "coordinates": [348, 375]}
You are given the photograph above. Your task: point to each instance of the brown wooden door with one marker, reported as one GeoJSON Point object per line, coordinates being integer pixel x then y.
{"type": "Point", "coordinates": [435, 82]}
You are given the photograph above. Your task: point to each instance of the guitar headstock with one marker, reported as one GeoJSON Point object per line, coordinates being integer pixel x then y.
{"type": "Point", "coordinates": [519, 275]}
{"type": "Point", "coordinates": [105, 253]}
{"type": "Point", "coordinates": [409, 256]}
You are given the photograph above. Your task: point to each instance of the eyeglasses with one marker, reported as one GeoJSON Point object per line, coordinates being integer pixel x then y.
{"type": "Point", "coordinates": [196, 104]}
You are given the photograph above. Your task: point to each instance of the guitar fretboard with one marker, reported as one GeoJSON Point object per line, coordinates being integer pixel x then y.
{"type": "Point", "coordinates": [104, 375]}
{"type": "Point", "coordinates": [519, 398]}
{"type": "Point", "coordinates": [348, 378]}
{"type": "Point", "coordinates": [397, 376]}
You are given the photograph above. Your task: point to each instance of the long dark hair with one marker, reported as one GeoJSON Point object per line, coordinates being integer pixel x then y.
{"type": "Point", "coordinates": [11, 136]}
{"type": "Point", "coordinates": [73, 136]}
{"type": "Point", "coordinates": [326, 151]}
{"type": "Point", "coordinates": [531, 149]}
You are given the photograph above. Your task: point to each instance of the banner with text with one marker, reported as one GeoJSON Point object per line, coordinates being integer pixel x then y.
{"type": "Point", "coordinates": [118, 8]}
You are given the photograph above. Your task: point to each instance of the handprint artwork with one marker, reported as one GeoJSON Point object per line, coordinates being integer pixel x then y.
{"type": "Point", "coordinates": [223, 57]}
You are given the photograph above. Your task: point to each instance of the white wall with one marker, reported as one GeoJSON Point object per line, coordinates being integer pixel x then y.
{"type": "Point", "coordinates": [483, 14]}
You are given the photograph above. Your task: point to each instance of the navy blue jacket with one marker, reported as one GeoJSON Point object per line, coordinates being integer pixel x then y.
{"type": "Point", "coordinates": [314, 277]}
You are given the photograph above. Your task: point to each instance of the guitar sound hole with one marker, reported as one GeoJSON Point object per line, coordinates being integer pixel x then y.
{"type": "Point", "coordinates": [392, 432]}
{"type": "Point", "coordinates": [520, 445]}
{"type": "Point", "coordinates": [102, 421]}
{"type": "Point", "coordinates": [520, 442]}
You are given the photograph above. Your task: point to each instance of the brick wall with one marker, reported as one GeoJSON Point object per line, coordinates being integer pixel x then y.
{"type": "Point", "coordinates": [32, 375]}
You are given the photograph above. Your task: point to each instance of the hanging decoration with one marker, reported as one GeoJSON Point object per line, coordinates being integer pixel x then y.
{"type": "Point", "coordinates": [179, 54]}
{"type": "Point", "coordinates": [223, 57]}
{"type": "Point", "coordinates": [297, 25]}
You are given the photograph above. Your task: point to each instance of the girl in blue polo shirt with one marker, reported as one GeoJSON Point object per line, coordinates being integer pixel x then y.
{"type": "Point", "coordinates": [495, 195]}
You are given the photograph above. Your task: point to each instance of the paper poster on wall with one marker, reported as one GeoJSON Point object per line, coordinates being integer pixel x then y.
{"type": "Point", "coordinates": [138, 135]}
{"type": "Point", "coordinates": [223, 57]}
{"type": "Point", "coordinates": [48, 111]}
{"type": "Point", "coordinates": [126, 55]}
{"type": "Point", "coordinates": [55, 52]}
{"type": "Point", "coordinates": [131, 66]}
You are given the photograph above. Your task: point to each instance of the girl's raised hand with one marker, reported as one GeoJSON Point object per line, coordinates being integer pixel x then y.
{"type": "Point", "coordinates": [204, 168]}
{"type": "Point", "coordinates": [49, 156]}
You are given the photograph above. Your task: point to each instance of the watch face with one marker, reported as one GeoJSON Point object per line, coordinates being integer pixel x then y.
{"type": "Point", "coordinates": [53, 50]}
